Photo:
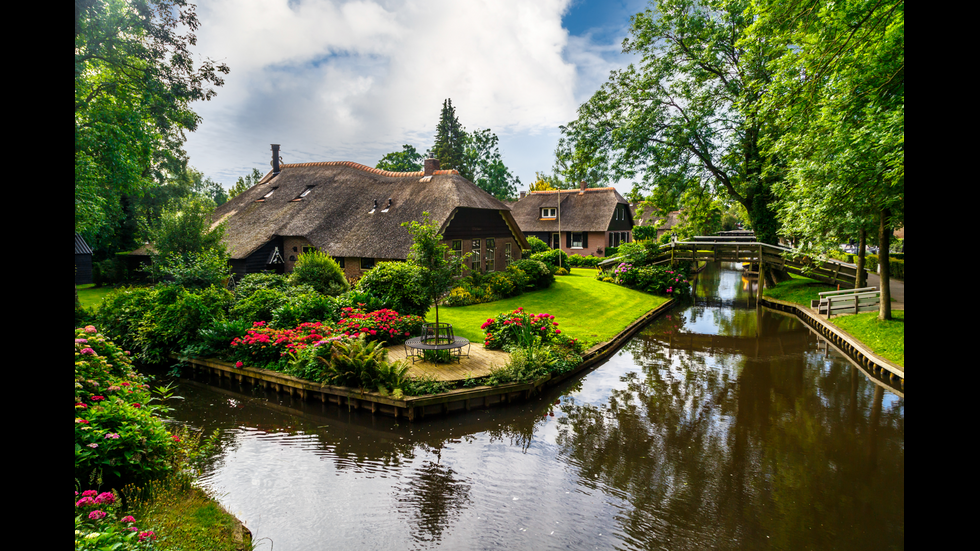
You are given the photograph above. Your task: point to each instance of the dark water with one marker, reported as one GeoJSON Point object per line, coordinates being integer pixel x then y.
{"type": "Point", "coordinates": [719, 426]}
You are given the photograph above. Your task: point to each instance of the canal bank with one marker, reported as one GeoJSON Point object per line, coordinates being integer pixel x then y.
{"type": "Point", "coordinates": [415, 407]}
{"type": "Point", "coordinates": [719, 425]}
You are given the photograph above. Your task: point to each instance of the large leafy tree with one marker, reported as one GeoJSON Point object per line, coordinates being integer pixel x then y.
{"type": "Point", "coordinates": [439, 266]}
{"type": "Point", "coordinates": [134, 82]}
{"type": "Point", "coordinates": [406, 160]}
{"type": "Point", "coordinates": [486, 166]}
{"type": "Point", "coordinates": [838, 99]}
{"type": "Point", "coordinates": [686, 114]}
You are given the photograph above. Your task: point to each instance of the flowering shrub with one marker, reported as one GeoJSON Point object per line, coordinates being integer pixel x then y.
{"type": "Point", "coordinates": [118, 439]}
{"type": "Point", "coordinates": [384, 325]}
{"type": "Point", "coordinates": [519, 328]}
{"type": "Point", "coordinates": [97, 525]}
{"type": "Point", "coordinates": [264, 346]}
{"type": "Point", "coordinates": [661, 280]}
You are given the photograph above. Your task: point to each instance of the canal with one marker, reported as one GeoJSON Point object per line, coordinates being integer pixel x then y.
{"type": "Point", "coordinates": [718, 426]}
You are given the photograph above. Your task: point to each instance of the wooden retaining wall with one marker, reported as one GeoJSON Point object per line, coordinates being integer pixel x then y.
{"type": "Point", "coordinates": [846, 343]}
{"type": "Point", "coordinates": [417, 407]}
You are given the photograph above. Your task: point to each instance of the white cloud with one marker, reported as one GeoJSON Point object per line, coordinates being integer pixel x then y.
{"type": "Point", "coordinates": [335, 80]}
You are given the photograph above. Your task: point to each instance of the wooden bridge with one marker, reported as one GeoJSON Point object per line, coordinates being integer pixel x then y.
{"type": "Point", "coordinates": [743, 247]}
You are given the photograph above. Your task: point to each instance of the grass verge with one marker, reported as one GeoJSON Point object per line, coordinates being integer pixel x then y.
{"type": "Point", "coordinates": [887, 339]}
{"type": "Point", "coordinates": [188, 518]}
{"type": "Point", "coordinates": [91, 296]}
{"type": "Point", "coordinates": [586, 309]}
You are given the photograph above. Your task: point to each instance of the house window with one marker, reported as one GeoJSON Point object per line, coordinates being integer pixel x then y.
{"type": "Point", "coordinates": [576, 240]}
{"type": "Point", "coordinates": [508, 253]}
{"type": "Point", "coordinates": [340, 262]}
{"type": "Point", "coordinates": [549, 212]}
{"type": "Point", "coordinates": [458, 246]}
{"type": "Point", "coordinates": [475, 257]}
{"type": "Point", "coordinates": [367, 263]}
{"type": "Point", "coordinates": [491, 254]}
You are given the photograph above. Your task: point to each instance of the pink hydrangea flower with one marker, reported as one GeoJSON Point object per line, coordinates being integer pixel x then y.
{"type": "Point", "coordinates": [96, 515]}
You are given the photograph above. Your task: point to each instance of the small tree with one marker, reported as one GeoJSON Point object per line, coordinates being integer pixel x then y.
{"type": "Point", "coordinates": [441, 266]}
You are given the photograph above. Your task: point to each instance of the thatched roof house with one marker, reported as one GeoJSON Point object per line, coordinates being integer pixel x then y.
{"type": "Point", "coordinates": [663, 223]}
{"type": "Point", "coordinates": [582, 221]}
{"type": "Point", "coordinates": [355, 213]}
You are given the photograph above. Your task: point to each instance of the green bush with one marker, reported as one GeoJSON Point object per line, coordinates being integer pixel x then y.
{"type": "Point", "coordinates": [359, 363]}
{"type": "Point", "coordinates": [193, 270]}
{"type": "Point", "coordinates": [536, 245]}
{"type": "Point", "coordinates": [578, 261]}
{"type": "Point", "coordinates": [639, 253]}
{"type": "Point", "coordinates": [320, 271]}
{"type": "Point", "coordinates": [554, 258]}
{"type": "Point", "coordinates": [118, 438]}
{"type": "Point", "coordinates": [262, 280]}
{"type": "Point", "coordinates": [538, 274]}
{"type": "Point", "coordinates": [260, 305]}
{"type": "Point", "coordinates": [302, 307]}
{"type": "Point", "coordinates": [176, 318]}
{"type": "Point", "coordinates": [121, 312]}
{"type": "Point", "coordinates": [398, 285]}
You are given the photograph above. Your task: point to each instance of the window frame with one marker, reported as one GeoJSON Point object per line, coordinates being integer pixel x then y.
{"type": "Point", "coordinates": [549, 212]}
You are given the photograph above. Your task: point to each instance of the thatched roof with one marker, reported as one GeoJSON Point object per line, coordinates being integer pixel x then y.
{"type": "Point", "coordinates": [335, 215]}
{"type": "Point", "coordinates": [591, 209]}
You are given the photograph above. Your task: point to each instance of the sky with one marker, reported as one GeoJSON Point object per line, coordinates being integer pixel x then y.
{"type": "Point", "coordinates": [334, 80]}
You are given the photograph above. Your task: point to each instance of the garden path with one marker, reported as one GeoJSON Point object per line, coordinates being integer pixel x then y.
{"type": "Point", "coordinates": [478, 364]}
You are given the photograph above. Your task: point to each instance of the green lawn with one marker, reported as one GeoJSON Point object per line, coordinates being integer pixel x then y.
{"type": "Point", "coordinates": [798, 290]}
{"type": "Point", "coordinates": [886, 338]}
{"type": "Point", "coordinates": [91, 296]}
{"type": "Point", "coordinates": [585, 308]}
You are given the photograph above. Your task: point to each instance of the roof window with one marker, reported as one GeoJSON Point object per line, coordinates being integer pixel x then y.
{"type": "Point", "coordinates": [267, 195]}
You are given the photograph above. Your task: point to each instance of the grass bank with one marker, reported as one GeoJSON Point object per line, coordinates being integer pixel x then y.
{"type": "Point", "coordinates": [885, 338]}
{"type": "Point", "coordinates": [585, 308]}
{"type": "Point", "coordinates": [91, 296]}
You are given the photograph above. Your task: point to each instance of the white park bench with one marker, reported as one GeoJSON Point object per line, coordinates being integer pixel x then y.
{"type": "Point", "coordinates": [849, 301]}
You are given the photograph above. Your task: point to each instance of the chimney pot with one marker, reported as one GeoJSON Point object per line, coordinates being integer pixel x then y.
{"type": "Point", "coordinates": [582, 185]}
{"type": "Point", "coordinates": [275, 159]}
{"type": "Point", "coordinates": [523, 194]}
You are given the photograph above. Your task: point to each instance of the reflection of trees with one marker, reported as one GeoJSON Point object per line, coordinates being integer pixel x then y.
{"type": "Point", "coordinates": [435, 496]}
{"type": "Point", "coordinates": [791, 448]}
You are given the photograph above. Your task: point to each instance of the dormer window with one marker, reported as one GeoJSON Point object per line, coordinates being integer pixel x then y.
{"type": "Point", "coordinates": [267, 195]}
{"type": "Point", "coordinates": [549, 212]}
{"type": "Point", "coordinates": [304, 194]}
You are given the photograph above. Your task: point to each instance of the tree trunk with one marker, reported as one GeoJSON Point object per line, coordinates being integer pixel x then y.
{"type": "Point", "coordinates": [862, 279]}
{"type": "Point", "coordinates": [885, 311]}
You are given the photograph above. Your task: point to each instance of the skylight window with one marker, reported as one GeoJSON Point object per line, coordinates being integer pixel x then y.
{"type": "Point", "coordinates": [267, 195]}
{"type": "Point", "coordinates": [549, 212]}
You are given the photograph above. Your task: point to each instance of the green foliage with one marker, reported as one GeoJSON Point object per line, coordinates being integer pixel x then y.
{"type": "Point", "coordinates": [440, 266]}
{"type": "Point", "coordinates": [660, 280]}
{"type": "Point", "coordinates": [193, 270]}
{"type": "Point", "coordinates": [320, 271]}
{"type": "Point", "coordinates": [259, 306]}
{"type": "Point", "coordinates": [246, 183]}
{"type": "Point", "coordinates": [175, 319]}
{"type": "Point", "coordinates": [539, 276]}
{"type": "Point", "coordinates": [425, 385]}
{"type": "Point", "coordinates": [450, 143]}
{"type": "Point", "coordinates": [407, 160]}
{"type": "Point", "coordinates": [536, 245]}
{"type": "Point", "coordinates": [118, 438]}
{"type": "Point", "coordinates": [304, 304]}
{"type": "Point", "coordinates": [638, 253]}
{"type": "Point", "coordinates": [579, 261]}
{"type": "Point", "coordinates": [685, 116]}
{"type": "Point", "coordinates": [263, 280]}
{"type": "Point", "coordinates": [554, 258]}
{"type": "Point", "coordinates": [358, 363]}
{"type": "Point", "coordinates": [398, 285]}
{"type": "Point", "coordinates": [487, 168]}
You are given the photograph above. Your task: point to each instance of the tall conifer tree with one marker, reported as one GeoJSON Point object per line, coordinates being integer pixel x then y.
{"type": "Point", "coordinates": [450, 143]}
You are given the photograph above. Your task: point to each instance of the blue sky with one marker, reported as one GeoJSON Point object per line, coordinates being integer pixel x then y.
{"type": "Point", "coordinates": [335, 80]}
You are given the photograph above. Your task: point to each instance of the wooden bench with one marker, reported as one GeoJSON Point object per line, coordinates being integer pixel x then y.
{"type": "Point", "coordinates": [848, 301]}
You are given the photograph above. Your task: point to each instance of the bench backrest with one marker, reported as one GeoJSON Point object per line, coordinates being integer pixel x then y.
{"type": "Point", "coordinates": [846, 292]}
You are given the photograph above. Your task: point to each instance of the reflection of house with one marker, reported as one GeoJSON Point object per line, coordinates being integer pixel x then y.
{"type": "Point", "coordinates": [355, 213]}
{"type": "Point", "coordinates": [582, 221]}
{"type": "Point", "coordinates": [83, 261]}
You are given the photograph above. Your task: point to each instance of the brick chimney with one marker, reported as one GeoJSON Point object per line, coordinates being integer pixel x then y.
{"type": "Point", "coordinates": [523, 194]}
{"type": "Point", "coordinates": [581, 187]}
{"type": "Point", "coordinates": [275, 159]}
{"type": "Point", "coordinates": [431, 165]}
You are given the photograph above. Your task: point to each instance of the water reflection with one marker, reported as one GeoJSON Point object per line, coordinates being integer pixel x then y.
{"type": "Point", "coordinates": [719, 426]}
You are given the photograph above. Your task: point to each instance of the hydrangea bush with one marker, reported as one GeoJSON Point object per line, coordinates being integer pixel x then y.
{"type": "Point", "coordinates": [98, 526]}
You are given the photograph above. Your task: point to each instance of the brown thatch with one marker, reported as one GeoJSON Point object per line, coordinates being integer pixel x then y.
{"type": "Point", "coordinates": [350, 210]}
{"type": "Point", "coordinates": [588, 210]}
